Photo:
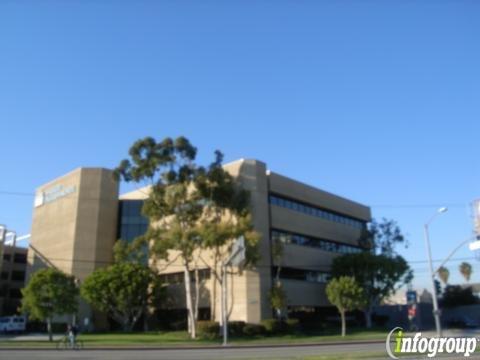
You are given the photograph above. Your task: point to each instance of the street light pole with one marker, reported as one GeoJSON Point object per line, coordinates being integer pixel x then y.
{"type": "Point", "coordinates": [436, 311]}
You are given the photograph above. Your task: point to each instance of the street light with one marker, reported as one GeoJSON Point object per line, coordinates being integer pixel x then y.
{"type": "Point", "coordinates": [436, 311]}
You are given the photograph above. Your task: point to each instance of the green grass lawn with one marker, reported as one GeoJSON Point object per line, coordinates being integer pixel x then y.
{"type": "Point", "coordinates": [180, 338]}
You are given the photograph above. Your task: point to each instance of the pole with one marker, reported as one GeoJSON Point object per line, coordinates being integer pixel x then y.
{"type": "Point", "coordinates": [224, 304]}
{"type": "Point", "coordinates": [436, 311]}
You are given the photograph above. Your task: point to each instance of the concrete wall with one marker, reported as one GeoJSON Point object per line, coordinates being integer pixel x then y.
{"type": "Point", "coordinates": [75, 224]}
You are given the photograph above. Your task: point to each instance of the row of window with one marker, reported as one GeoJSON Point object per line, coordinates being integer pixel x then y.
{"type": "Point", "coordinates": [13, 293]}
{"type": "Point", "coordinates": [286, 237]}
{"type": "Point", "coordinates": [315, 211]}
{"type": "Point", "coordinates": [178, 277]}
{"type": "Point", "coordinates": [16, 275]}
{"type": "Point", "coordinates": [314, 276]}
{"type": "Point", "coordinates": [17, 258]}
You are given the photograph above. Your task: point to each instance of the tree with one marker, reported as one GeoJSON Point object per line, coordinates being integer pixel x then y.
{"type": "Point", "coordinates": [443, 274]}
{"type": "Point", "coordinates": [190, 208]}
{"type": "Point", "coordinates": [466, 270]}
{"type": "Point", "coordinates": [347, 295]}
{"type": "Point", "coordinates": [122, 290]}
{"type": "Point", "coordinates": [455, 295]}
{"type": "Point", "coordinates": [382, 237]}
{"type": "Point", "coordinates": [378, 275]}
{"type": "Point", "coordinates": [173, 205]}
{"type": "Point", "coordinates": [277, 296]}
{"type": "Point", "coordinates": [278, 299]}
{"type": "Point", "coordinates": [226, 216]}
{"type": "Point", "coordinates": [49, 292]}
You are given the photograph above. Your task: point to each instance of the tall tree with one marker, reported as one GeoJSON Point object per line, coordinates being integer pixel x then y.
{"type": "Point", "coordinates": [379, 270]}
{"type": "Point", "coordinates": [226, 216]}
{"type": "Point", "coordinates": [190, 208]}
{"type": "Point", "coordinates": [50, 292]}
{"type": "Point", "coordinates": [173, 205]}
{"type": "Point", "coordinates": [122, 290]}
{"type": "Point", "coordinates": [378, 275]}
{"type": "Point", "coordinates": [382, 237]}
{"type": "Point", "coordinates": [443, 274]}
{"type": "Point", "coordinates": [466, 270]}
{"type": "Point", "coordinates": [347, 295]}
{"type": "Point", "coordinates": [277, 295]}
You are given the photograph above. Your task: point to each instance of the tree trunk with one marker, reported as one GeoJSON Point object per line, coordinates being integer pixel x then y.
{"type": "Point", "coordinates": [145, 318]}
{"type": "Point", "coordinates": [189, 303]}
{"type": "Point", "coordinates": [213, 306]}
{"type": "Point", "coordinates": [49, 329]}
{"type": "Point", "coordinates": [368, 318]}
{"type": "Point", "coordinates": [344, 325]}
{"type": "Point", "coordinates": [197, 293]}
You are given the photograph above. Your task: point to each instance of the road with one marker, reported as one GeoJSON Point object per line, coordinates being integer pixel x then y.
{"type": "Point", "coordinates": [290, 352]}
{"type": "Point", "coordinates": [293, 352]}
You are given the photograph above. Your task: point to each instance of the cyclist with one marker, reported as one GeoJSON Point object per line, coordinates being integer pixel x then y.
{"type": "Point", "coordinates": [72, 331]}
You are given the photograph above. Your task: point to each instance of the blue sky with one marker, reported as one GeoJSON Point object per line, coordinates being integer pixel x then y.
{"type": "Point", "coordinates": [373, 100]}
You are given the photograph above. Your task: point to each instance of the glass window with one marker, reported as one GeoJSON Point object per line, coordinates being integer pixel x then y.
{"type": "Point", "coordinates": [20, 258]}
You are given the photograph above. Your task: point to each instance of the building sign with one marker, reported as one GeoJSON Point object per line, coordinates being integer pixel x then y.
{"type": "Point", "coordinates": [54, 193]}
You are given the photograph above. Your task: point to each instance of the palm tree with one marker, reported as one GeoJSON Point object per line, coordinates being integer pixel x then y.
{"type": "Point", "coordinates": [466, 270]}
{"type": "Point", "coordinates": [444, 274]}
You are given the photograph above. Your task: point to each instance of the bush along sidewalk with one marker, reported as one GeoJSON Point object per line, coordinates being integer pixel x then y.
{"type": "Point", "coordinates": [269, 327]}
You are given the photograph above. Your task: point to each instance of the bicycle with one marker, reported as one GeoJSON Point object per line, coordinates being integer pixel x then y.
{"type": "Point", "coordinates": [65, 344]}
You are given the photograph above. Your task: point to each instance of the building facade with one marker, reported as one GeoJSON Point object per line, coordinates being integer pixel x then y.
{"type": "Point", "coordinates": [12, 279]}
{"type": "Point", "coordinates": [78, 217]}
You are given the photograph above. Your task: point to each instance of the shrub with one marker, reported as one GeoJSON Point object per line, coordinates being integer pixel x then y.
{"type": "Point", "coordinates": [292, 325]}
{"type": "Point", "coordinates": [235, 328]}
{"type": "Point", "coordinates": [380, 320]}
{"type": "Point", "coordinates": [208, 329]}
{"type": "Point", "coordinates": [253, 329]}
{"type": "Point", "coordinates": [272, 326]}
{"type": "Point", "coordinates": [179, 325]}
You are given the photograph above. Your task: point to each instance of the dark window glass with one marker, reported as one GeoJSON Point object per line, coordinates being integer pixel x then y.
{"type": "Point", "coordinates": [7, 257]}
{"type": "Point", "coordinates": [326, 245]}
{"type": "Point", "coordinates": [314, 211]}
{"type": "Point", "coordinates": [4, 275]}
{"type": "Point", "coordinates": [20, 258]}
{"type": "Point", "coordinates": [303, 275]}
{"type": "Point", "coordinates": [18, 275]}
{"type": "Point", "coordinates": [15, 293]}
{"type": "Point", "coordinates": [178, 278]}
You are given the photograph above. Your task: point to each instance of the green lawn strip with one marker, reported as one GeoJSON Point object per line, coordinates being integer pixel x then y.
{"type": "Point", "coordinates": [180, 338]}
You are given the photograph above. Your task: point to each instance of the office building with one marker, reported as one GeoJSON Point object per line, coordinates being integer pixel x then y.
{"type": "Point", "coordinates": [12, 279]}
{"type": "Point", "coordinates": [78, 217]}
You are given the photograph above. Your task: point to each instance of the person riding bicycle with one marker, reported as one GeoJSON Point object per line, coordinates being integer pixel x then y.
{"type": "Point", "coordinates": [72, 332]}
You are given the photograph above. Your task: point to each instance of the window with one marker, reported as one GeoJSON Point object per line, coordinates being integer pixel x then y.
{"type": "Point", "coordinates": [15, 294]}
{"type": "Point", "coordinates": [286, 237]}
{"type": "Point", "coordinates": [314, 211]}
{"type": "Point", "coordinates": [4, 275]}
{"type": "Point", "coordinates": [7, 257]}
{"type": "Point", "coordinates": [178, 277]}
{"type": "Point", "coordinates": [314, 276]}
{"type": "Point", "coordinates": [18, 275]}
{"type": "Point", "coordinates": [20, 258]}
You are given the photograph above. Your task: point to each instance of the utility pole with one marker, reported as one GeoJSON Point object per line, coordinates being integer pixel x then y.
{"type": "Point", "coordinates": [236, 258]}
